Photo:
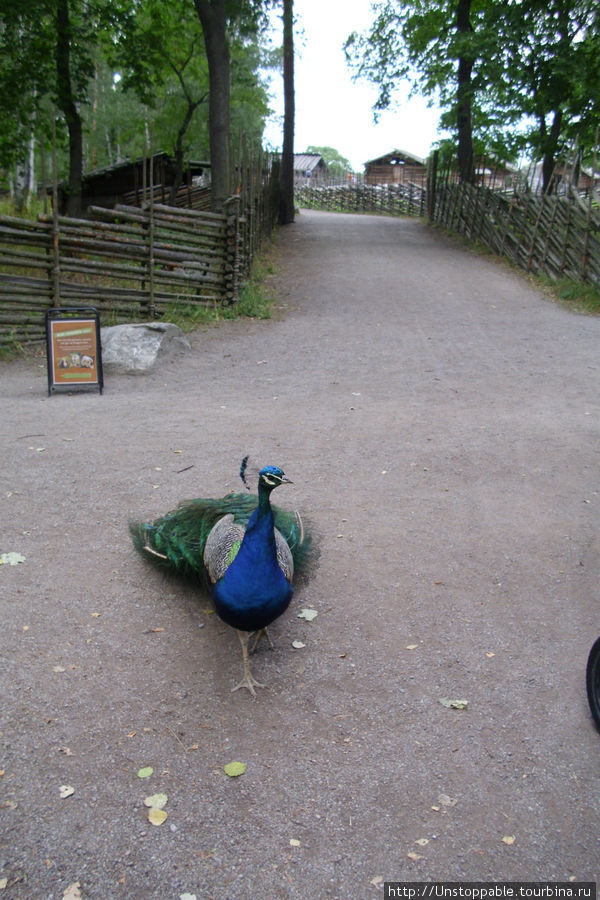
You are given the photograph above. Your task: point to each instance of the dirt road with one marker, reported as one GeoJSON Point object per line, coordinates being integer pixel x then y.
{"type": "Point", "coordinates": [441, 422]}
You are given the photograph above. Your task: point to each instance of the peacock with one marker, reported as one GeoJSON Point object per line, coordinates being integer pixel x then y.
{"type": "Point", "coordinates": [241, 549]}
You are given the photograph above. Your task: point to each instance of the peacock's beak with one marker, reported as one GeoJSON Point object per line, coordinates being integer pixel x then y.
{"type": "Point", "coordinates": [286, 480]}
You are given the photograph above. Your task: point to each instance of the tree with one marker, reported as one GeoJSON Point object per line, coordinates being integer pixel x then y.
{"type": "Point", "coordinates": [162, 52]}
{"type": "Point", "coordinates": [508, 73]}
{"type": "Point", "coordinates": [550, 52]}
{"type": "Point", "coordinates": [286, 204]}
{"type": "Point", "coordinates": [223, 21]}
{"type": "Point", "coordinates": [337, 165]}
{"type": "Point", "coordinates": [431, 42]}
{"type": "Point", "coordinates": [49, 47]}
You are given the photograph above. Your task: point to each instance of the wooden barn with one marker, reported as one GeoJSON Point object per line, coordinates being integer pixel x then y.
{"type": "Point", "coordinates": [309, 169]}
{"type": "Point", "coordinates": [124, 182]}
{"type": "Point", "coordinates": [396, 167]}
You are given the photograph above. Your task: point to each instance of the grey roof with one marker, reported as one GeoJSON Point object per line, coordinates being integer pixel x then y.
{"type": "Point", "coordinates": [305, 161]}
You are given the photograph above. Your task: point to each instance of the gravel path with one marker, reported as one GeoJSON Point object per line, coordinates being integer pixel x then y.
{"type": "Point", "coordinates": [441, 421]}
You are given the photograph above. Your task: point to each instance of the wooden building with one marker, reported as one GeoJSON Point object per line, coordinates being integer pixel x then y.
{"type": "Point", "coordinates": [396, 167]}
{"type": "Point", "coordinates": [125, 181]}
{"type": "Point", "coordinates": [309, 169]}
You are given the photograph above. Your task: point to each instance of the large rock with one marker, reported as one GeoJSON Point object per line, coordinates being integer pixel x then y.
{"type": "Point", "coordinates": [135, 349]}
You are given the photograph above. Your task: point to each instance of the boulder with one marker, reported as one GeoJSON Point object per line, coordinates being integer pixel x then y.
{"type": "Point", "coordinates": [135, 349]}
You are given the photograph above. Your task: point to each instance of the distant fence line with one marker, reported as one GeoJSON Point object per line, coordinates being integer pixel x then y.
{"type": "Point", "coordinates": [557, 235]}
{"type": "Point", "coordinates": [132, 262]}
{"type": "Point", "coordinates": [395, 199]}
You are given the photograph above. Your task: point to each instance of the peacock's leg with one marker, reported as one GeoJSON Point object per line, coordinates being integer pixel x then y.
{"type": "Point", "coordinates": [258, 635]}
{"type": "Point", "coordinates": [248, 680]}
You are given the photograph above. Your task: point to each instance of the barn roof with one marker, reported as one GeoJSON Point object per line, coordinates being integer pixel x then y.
{"type": "Point", "coordinates": [396, 157]}
{"type": "Point", "coordinates": [307, 161]}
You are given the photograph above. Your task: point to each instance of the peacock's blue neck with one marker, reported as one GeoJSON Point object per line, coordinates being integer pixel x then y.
{"type": "Point", "coordinates": [254, 590]}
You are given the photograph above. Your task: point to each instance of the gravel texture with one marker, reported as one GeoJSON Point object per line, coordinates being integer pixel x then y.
{"type": "Point", "coordinates": [441, 421]}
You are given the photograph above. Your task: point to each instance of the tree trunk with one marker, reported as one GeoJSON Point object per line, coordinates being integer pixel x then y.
{"type": "Point", "coordinates": [68, 107]}
{"type": "Point", "coordinates": [286, 202]}
{"type": "Point", "coordinates": [464, 122]}
{"type": "Point", "coordinates": [550, 145]}
{"type": "Point", "coordinates": [213, 17]}
{"type": "Point", "coordinates": [178, 152]}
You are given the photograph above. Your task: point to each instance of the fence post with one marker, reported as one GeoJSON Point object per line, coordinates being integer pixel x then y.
{"type": "Point", "coordinates": [55, 245]}
{"type": "Point", "coordinates": [233, 237]}
{"type": "Point", "coordinates": [432, 185]}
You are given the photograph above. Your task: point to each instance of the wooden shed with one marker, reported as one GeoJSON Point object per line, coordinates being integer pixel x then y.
{"type": "Point", "coordinates": [309, 168]}
{"type": "Point", "coordinates": [396, 167]}
{"type": "Point", "coordinates": [124, 181]}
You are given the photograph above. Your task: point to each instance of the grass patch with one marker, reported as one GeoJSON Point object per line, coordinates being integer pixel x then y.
{"type": "Point", "coordinates": [582, 298]}
{"type": "Point", "coordinates": [255, 301]}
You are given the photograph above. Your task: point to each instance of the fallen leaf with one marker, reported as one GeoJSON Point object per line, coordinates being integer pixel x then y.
{"type": "Point", "coordinates": [233, 769]}
{"type": "Point", "coordinates": [66, 750]}
{"type": "Point", "coordinates": [411, 646]}
{"type": "Point", "coordinates": [156, 816]}
{"type": "Point", "coordinates": [95, 615]}
{"type": "Point", "coordinates": [412, 855]}
{"type": "Point", "coordinates": [445, 800]}
{"type": "Point", "coordinates": [298, 645]}
{"type": "Point", "coordinates": [193, 747]}
{"type": "Point", "coordinates": [58, 668]}
{"type": "Point", "coordinates": [294, 842]}
{"type": "Point", "coordinates": [3, 883]}
{"type": "Point", "coordinates": [11, 559]}
{"type": "Point", "coordinates": [508, 839]}
{"type": "Point", "coordinates": [454, 704]}
{"type": "Point", "coordinates": [65, 791]}
{"type": "Point", "coordinates": [73, 892]}
{"type": "Point", "coordinates": [187, 896]}
{"type": "Point", "coordinates": [145, 772]}
{"type": "Point", "coordinates": [158, 801]}
{"type": "Point", "coordinates": [308, 614]}
{"type": "Point", "coordinates": [376, 881]}
{"type": "Point", "coordinates": [422, 842]}
{"type": "Point", "coordinates": [490, 655]}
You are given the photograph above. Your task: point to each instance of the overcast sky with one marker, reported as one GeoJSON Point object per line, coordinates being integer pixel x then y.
{"type": "Point", "coordinates": [331, 109]}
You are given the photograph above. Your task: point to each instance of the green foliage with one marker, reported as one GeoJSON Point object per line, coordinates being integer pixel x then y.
{"type": "Point", "coordinates": [535, 66]}
{"type": "Point", "coordinates": [337, 164]}
{"type": "Point", "coordinates": [583, 298]}
{"type": "Point", "coordinates": [136, 67]}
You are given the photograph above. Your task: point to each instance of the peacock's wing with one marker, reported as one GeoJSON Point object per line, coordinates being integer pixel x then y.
{"type": "Point", "coordinates": [298, 537]}
{"type": "Point", "coordinates": [284, 556]}
{"type": "Point", "coordinates": [178, 539]}
{"type": "Point", "coordinates": [222, 545]}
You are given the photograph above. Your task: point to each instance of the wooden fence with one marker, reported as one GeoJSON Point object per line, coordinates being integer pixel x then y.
{"type": "Point", "coordinates": [395, 199]}
{"type": "Point", "coordinates": [131, 262]}
{"type": "Point", "coordinates": [557, 235]}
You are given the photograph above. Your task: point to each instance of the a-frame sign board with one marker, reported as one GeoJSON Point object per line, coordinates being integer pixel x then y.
{"type": "Point", "coordinates": [73, 348]}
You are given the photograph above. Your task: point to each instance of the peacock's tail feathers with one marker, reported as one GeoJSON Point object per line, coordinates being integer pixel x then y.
{"type": "Point", "coordinates": [177, 539]}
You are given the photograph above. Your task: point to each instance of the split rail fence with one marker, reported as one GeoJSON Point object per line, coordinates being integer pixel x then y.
{"type": "Point", "coordinates": [556, 235]}
{"type": "Point", "coordinates": [131, 262]}
{"type": "Point", "coordinates": [553, 234]}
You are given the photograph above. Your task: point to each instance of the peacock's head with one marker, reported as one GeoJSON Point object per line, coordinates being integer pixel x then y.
{"type": "Point", "coordinates": [271, 477]}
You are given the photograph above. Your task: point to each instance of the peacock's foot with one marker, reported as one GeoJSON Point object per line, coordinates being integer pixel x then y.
{"type": "Point", "coordinates": [250, 682]}
{"type": "Point", "coordinates": [258, 636]}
